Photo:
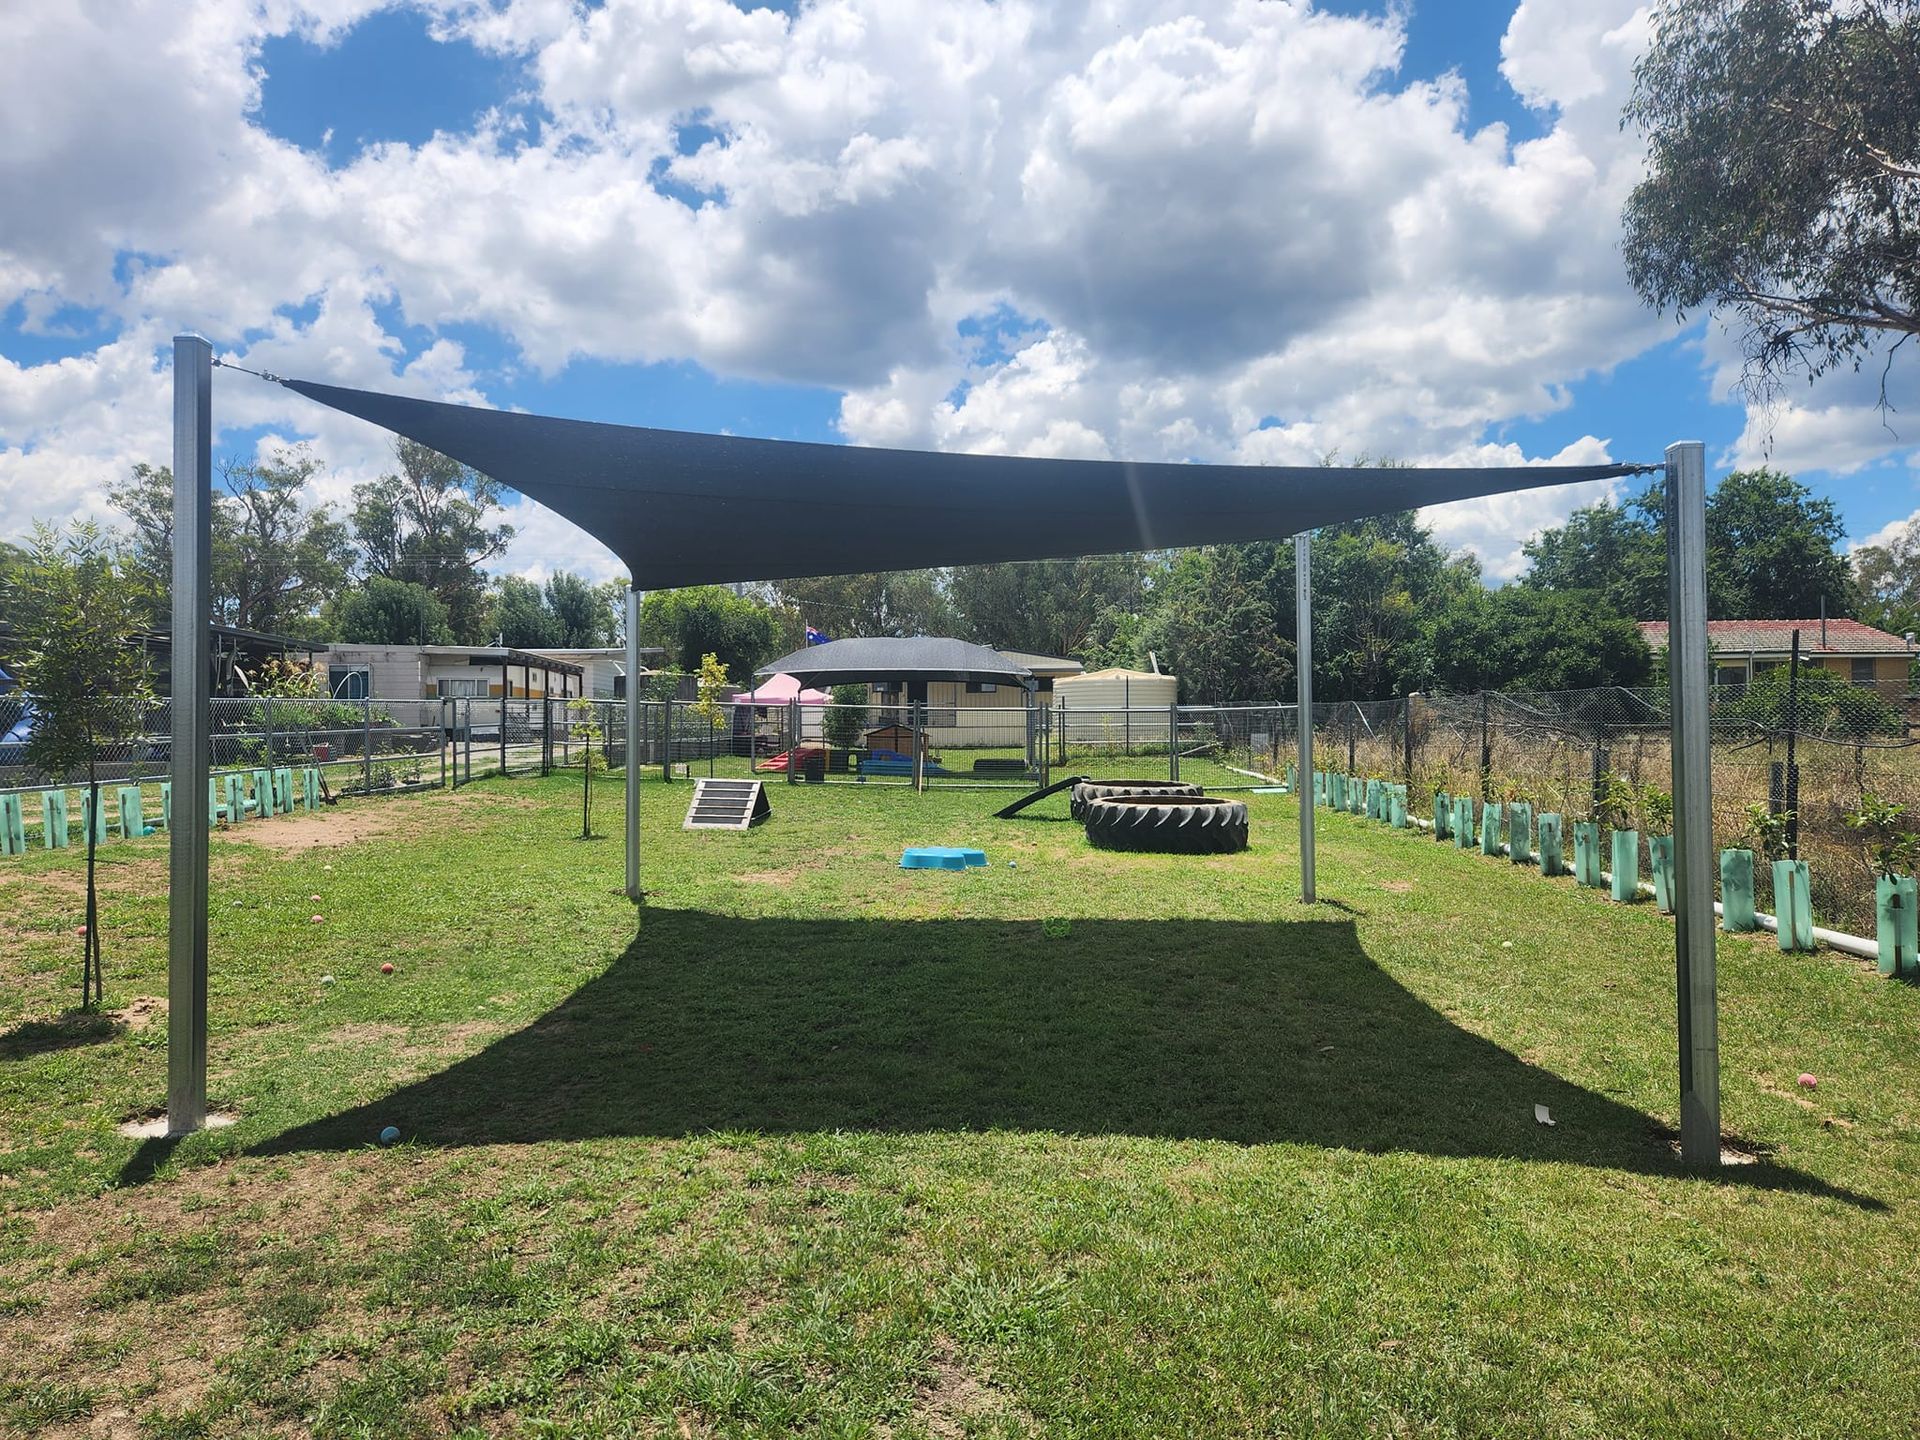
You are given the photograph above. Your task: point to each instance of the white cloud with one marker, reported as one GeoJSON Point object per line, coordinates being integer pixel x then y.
{"type": "Point", "coordinates": [1204, 229]}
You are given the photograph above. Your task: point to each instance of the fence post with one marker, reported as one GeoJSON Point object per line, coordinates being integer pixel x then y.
{"type": "Point", "coordinates": [1173, 741]}
{"type": "Point", "coordinates": [546, 735]}
{"type": "Point", "coordinates": [267, 706]}
{"type": "Point", "coordinates": [1303, 698]}
{"type": "Point", "coordinates": [666, 739]}
{"type": "Point", "coordinates": [1353, 712]}
{"type": "Point", "coordinates": [793, 740]}
{"type": "Point", "coordinates": [1407, 735]}
{"type": "Point", "coordinates": [916, 733]}
{"type": "Point", "coordinates": [1599, 773]}
{"type": "Point", "coordinates": [366, 745]}
{"type": "Point", "coordinates": [1688, 659]}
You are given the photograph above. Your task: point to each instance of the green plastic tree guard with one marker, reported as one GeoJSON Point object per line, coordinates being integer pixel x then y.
{"type": "Point", "coordinates": [1337, 791]}
{"type": "Point", "coordinates": [1553, 857]}
{"type": "Point", "coordinates": [1442, 814]}
{"type": "Point", "coordinates": [310, 787]}
{"type": "Point", "coordinates": [1626, 866]}
{"type": "Point", "coordinates": [1660, 861]}
{"type": "Point", "coordinates": [166, 805]}
{"type": "Point", "coordinates": [1397, 807]}
{"type": "Point", "coordinates": [1287, 778]}
{"type": "Point", "coordinates": [1520, 832]}
{"type": "Point", "coordinates": [1463, 835]}
{"type": "Point", "coordinates": [53, 819]}
{"type": "Point", "coordinates": [1356, 795]}
{"type": "Point", "coordinates": [1737, 915]}
{"type": "Point", "coordinates": [262, 800]}
{"type": "Point", "coordinates": [1373, 800]}
{"type": "Point", "coordinates": [236, 806]}
{"type": "Point", "coordinates": [133, 813]}
{"type": "Point", "coordinates": [1893, 902]}
{"type": "Point", "coordinates": [1792, 905]}
{"type": "Point", "coordinates": [1319, 787]}
{"type": "Point", "coordinates": [93, 818]}
{"type": "Point", "coordinates": [1490, 815]}
{"type": "Point", "coordinates": [283, 791]}
{"type": "Point", "coordinates": [1586, 853]}
{"type": "Point", "coordinates": [13, 828]}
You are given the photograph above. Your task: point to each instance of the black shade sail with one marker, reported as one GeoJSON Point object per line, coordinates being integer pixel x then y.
{"type": "Point", "coordinates": [689, 509]}
{"type": "Point", "coordinates": [917, 658]}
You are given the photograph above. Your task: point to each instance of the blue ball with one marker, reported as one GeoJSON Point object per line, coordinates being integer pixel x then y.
{"type": "Point", "coordinates": [390, 1134]}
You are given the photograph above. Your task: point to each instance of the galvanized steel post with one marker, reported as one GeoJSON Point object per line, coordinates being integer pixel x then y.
{"type": "Point", "coordinates": [190, 760]}
{"type": "Point", "coordinates": [1693, 861]}
{"type": "Point", "coordinates": [633, 745]}
{"type": "Point", "coordinates": [1303, 671]}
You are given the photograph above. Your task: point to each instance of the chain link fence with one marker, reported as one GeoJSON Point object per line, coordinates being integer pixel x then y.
{"type": "Point", "coordinates": [1791, 764]}
{"type": "Point", "coordinates": [1806, 750]}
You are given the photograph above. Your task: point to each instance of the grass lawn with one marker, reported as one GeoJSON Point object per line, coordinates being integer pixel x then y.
{"type": "Point", "coordinates": [1091, 1144]}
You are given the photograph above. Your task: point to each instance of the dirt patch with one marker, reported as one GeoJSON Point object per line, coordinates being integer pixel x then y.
{"type": "Point", "coordinates": [141, 1012]}
{"type": "Point", "coordinates": [1396, 887]}
{"type": "Point", "coordinates": [411, 1041]}
{"type": "Point", "coordinates": [768, 877]}
{"type": "Point", "coordinates": [951, 1398]}
{"type": "Point", "coordinates": [323, 829]}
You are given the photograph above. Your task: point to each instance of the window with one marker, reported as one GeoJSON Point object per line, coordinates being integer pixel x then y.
{"type": "Point", "coordinates": [347, 682]}
{"type": "Point", "coordinates": [886, 687]}
{"type": "Point", "coordinates": [1729, 674]}
{"type": "Point", "coordinates": [981, 687]}
{"type": "Point", "coordinates": [1766, 667]}
{"type": "Point", "coordinates": [463, 688]}
{"type": "Point", "coordinates": [1863, 672]}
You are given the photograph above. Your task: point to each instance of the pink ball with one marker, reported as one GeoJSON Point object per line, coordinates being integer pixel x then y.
{"type": "Point", "coordinates": [79, 929]}
{"type": "Point", "coordinates": [1807, 1082]}
{"type": "Point", "coordinates": [314, 898]}
{"type": "Point", "coordinates": [387, 969]}
{"type": "Point", "coordinates": [318, 918]}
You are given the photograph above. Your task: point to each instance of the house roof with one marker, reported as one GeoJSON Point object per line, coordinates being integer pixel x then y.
{"type": "Point", "coordinates": [1051, 665]}
{"type": "Point", "coordinates": [1741, 637]}
{"type": "Point", "coordinates": [916, 657]}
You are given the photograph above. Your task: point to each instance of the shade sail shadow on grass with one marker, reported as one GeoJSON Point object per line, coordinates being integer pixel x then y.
{"type": "Point", "coordinates": [1251, 1033]}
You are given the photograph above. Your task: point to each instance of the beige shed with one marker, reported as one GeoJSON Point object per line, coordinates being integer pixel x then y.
{"type": "Point", "coordinates": [1110, 706]}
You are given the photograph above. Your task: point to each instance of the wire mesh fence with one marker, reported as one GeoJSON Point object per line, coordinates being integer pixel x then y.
{"type": "Point", "coordinates": [1792, 761]}
{"type": "Point", "coordinates": [1790, 765]}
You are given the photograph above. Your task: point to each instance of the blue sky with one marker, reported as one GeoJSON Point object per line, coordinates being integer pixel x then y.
{"type": "Point", "coordinates": [1184, 234]}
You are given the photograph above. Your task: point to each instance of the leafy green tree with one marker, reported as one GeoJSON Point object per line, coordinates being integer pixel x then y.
{"type": "Point", "coordinates": [521, 617]}
{"type": "Point", "coordinates": [433, 523]}
{"type": "Point", "coordinates": [583, 718]}
{"type": "Point", "coordinates": [1783, 178]}
{"type": "Point", "coordinates": [1217, 624]}
{"type": "Point", "coordinates": [74, 611]}
{"type": "Point", "coordinates": [1377, 583]}
{"type": "Point", "coordinates": [710, 620]}
{"type": "Point", "coordinates": [587, 615]}
{"type": "Point", "coordinates": [276, 559]}
{"type": "Point", "coordinates": [846, 716]}
{"type": "Point", "coordinates": [391, 612]}
{"type": "Point", "coordinates": [897, 602]}
{"type": "Point", "coordinates": [1046, 607]}
{"type": "Point", "coordinates": [1518, 638]}
{"type": "Point", "coordinates": [1615, 550]}
{"type": "Point", "coordinates": [1773, 552]}
{"type": "Point", "coordinates": [1888, 578]}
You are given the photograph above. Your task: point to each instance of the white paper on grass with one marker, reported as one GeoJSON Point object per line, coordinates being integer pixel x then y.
{"type": "Point", "coordinates": [1540, 1114]}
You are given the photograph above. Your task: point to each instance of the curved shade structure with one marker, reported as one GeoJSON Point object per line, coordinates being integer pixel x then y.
{"type": "Point", "coordinates": [689, 509]}
{"type": "Point", "coordinates": [917, 658]}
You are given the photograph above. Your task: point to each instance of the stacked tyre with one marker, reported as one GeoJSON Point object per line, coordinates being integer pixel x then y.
{"type": "Point", "coordinates": [1172, 824]}
{"type": "Point", "coordinates": [1087, 791]}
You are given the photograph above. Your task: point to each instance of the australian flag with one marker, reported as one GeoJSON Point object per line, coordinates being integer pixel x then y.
{"type": "Point", "coordinates": [817, 637]}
